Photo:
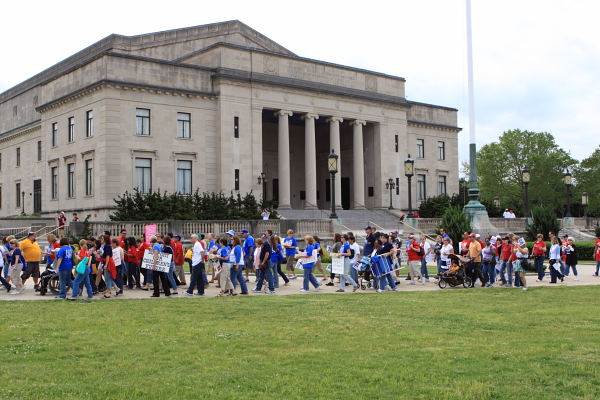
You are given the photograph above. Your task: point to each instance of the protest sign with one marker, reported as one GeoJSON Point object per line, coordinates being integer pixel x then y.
{"type": "Point", "coordinates": [163, 264]}
{"type": "Point", "coordinates": [149, 230]}
{"type": "Point", "coordinates": [337, 265]}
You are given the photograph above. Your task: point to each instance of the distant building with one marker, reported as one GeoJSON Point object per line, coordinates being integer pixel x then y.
{"type": "Point", "coordinates": [211, 107]}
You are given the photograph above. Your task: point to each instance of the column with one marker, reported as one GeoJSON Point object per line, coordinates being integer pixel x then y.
{"type": "Point", "coordinates": [334, 140]}
{"type": "Point", "coordinates": [358, 165]}
{"type": "Point", "coordinates": [283, 153]}
{"type": "Point", "coordinates": [310, 161]}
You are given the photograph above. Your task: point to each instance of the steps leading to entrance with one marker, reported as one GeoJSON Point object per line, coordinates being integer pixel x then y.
{"type": "Point", "coordinates": [351, 220]}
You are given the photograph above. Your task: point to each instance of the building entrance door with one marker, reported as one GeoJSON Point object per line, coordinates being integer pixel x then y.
{"type": "Point", "coordinates": [346, 193]}
{"type": "Point", "coordinates": [37, 196]}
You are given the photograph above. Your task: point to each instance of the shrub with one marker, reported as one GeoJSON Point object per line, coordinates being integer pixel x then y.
{"type": "Point", "coordinates": [456, 223]}
{"type": "Point", "coordinates": [543, 221]}
{"type": "Point", "coordinates": [585, 250]}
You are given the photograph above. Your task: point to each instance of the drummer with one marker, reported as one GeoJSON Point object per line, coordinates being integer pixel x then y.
{"type": "Point", "coordinates": [386, 250]}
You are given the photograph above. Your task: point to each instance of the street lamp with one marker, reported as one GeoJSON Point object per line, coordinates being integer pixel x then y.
{"type": "Point", "coordinates": [391, 186]}
{"type": "Point", "coordinates": [332, 166]}
{"type": "Point", "coordinates": [526, 177]}
{"type": "Point", "coordinates": [497, 202]}
{"type": "Point", "coordinates": [263, 179]}
{"type": "Point", "coordinates": [23, 202]}
{"type": "Point", "coordinates": [409, 171]}
{"type": "Point", "coordinates": [568, 183]}
{"type": "Point", "coordinates": [585, 201]}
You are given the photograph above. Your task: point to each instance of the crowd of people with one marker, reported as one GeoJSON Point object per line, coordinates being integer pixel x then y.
{"type": "Point", "coordinates": [107, 265]}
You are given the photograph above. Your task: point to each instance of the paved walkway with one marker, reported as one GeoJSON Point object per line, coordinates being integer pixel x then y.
{"type": "Point", "coordinates": [585, 276]}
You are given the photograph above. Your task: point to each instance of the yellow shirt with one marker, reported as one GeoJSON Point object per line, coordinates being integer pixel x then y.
{"type": "Point", "coordinates": [188, 254]}
{"type": "Point", "coordinates": [475, 251]}
{"type": "Point", "coordinates": [31, 250]}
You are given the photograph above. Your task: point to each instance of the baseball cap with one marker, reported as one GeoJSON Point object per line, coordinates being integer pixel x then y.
{"type": "Point", "coordinates": [505, 238]}
{"type": "Point", "coordinates": [231, 232]}
{"type": "Point", "coordinates": [31, 233]}
{"type": "Point", "coordinates": [245, 231]}
{"type": "Point", "coordinates": [395, 232]}
{"type": "Point", "coordinates": [472, 235]}
{"type": "Point", "coordinates": [477, 235]}
{"type": "Point", "coordinates": [565, 235]}
{"type": "Point", "coordinates": [368, 227]}
{"type": "Point", "coordinates": [177, 236]}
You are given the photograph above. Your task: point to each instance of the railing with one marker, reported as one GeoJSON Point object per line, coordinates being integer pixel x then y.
{"type": "Point", "coordinates": [18, 233]}
{"type": "Point", "coordinates": [189, 228]}
{"type": "Point", "coordinates": [316, 226]}
{"type": "Point", "coordinates": [272, 225]}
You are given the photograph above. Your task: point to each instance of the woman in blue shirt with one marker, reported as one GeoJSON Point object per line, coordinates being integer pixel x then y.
{"type": "Point", "coordinates": [308, 267]}
{"type": "Point", "coordinates": [278, 260]}
{"type": "Point", "coordinates": [237, 262]}
{"type": "Point", "coordinates": [318, 264]}
{"type": "Point", "coordinates": [225, 275]}
{"type": "Point", "coordinates": [64, 265]}
{"type": "Point", "coordinates": [18, 265]}
{"type": "Point", "coordinates": [345, 252]}
{"type": "Point", "coordinates": [158, 276]}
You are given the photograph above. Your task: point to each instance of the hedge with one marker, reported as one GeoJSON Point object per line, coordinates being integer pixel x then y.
{"type": "Point", "coordinates": [585, 250]}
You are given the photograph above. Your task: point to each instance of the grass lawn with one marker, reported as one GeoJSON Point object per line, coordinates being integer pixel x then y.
{"type": "Point", "coordinates": [451, 344]}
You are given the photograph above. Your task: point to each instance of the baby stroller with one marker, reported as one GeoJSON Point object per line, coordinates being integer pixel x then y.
{"type": "Point", "coordinates": [363, 266]}
{"type": "Point", "coordinates": [458, 276]}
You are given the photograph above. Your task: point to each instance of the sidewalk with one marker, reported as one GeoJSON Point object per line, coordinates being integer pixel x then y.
{"type": "Point", "coordinates": [585, 276]}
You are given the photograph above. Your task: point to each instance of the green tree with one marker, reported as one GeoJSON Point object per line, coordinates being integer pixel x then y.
{"type": "Point", "coordinates": [544, 221]}
{"type": "Point", "coordinates": [456, 223]}
{"type": "Point", "coordinates": [499, 166]}
{"type": "Point", "coordinates": [587, 179]}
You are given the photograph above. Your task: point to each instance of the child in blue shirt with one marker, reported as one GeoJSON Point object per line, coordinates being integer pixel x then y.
{"type": "Point", "coordinates": [308, 267]}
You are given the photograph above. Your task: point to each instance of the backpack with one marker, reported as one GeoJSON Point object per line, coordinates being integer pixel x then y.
{"type": "Point", "coordinates": [421, 251]}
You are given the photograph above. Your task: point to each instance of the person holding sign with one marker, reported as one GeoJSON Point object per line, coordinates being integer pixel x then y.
{"type": "Point", "coordinates": [309, 264]}
{"type": "Point", "coordinates": [555, 270]}
{"type": "Point", "coordinates": [346, 254]}
{"type": "Point", "coordinates": [522, 253]}
{"type": "Point", "coordinates": [156, 274]}
{"type": "Point", "coordinates": [225, 275]}
{"type": "Point", "coordinates": [237, 265]}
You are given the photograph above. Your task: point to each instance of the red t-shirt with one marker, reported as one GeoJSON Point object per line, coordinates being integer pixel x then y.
{"type": "Point", "coordinates": [55, 245]}
{"type": "Point", "coordinates": [83, 253]}
{"type": "Point", "coordinates": [506, 252]}
{"type": "Point", "coordinates": [413, 252]}
{"type": "Point", "coordinates": [537, 246]}
{"type": "Point", "coordinates": [121, 242]}
{"type": "Point", "coordinates": [140, 251]}
{"type": "Point", "coordinates": [598, 250]}
{"type": "Point", "coordinates": [62, 220]}
{"type": "Point", "coordinates": [178, 253]}
{"type": "Point", "coordinates": [564, 243]}
{"type": "Point", "coordinates": [513, 257]}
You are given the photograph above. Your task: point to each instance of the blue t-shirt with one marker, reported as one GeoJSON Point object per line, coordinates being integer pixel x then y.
{"type": "Point", "coordinates": [66, 253]}
{"type": "Point", "coordinates": [309, 252]}
{"type": "Point", "coordinates": [345, 249]}
{"type": "Point", "coordinates": [317, 247]}
{"type": "Point", "coordinates": [18, 255]}
{"type": "Point", "coordinates": [248, 242]}
{"type": "Point", "coordinates": [157, 247]}
{"type": "Point", "coordinates": [294, 243]}
{"type": "Point", "coordinates": [224, 252]}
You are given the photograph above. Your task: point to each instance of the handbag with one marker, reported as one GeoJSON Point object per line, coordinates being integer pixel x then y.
{"type": "Point", "coordinates": [82, 266]}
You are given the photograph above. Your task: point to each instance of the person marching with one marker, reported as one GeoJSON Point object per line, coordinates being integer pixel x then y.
{"type": "Point", "coordinates": [345, 252]}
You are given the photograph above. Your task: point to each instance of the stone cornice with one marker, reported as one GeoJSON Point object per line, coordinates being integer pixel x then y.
{"type": "Point", "coordinates": [434, 126]}
{"type": "Point", "coordinates": [21, 130]}
{"type": "Point", "coordinates": [158, 61]}
{"type": "Point", "coordinates": [433, 106]}
{"type": "Point", "coordinates": [314, 87]}
{"type": "Point", "coordinates": [108, 83]}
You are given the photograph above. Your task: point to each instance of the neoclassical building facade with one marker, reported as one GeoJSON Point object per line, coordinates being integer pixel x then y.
{"type": "Point", "coordinates": [210, 108]}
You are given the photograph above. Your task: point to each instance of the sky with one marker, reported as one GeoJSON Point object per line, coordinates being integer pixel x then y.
{"type": "Point", "coordinates": [535, 62]}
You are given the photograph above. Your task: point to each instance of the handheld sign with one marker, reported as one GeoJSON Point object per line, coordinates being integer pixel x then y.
{"type": "Point", "coordinates": [149, 230]}
{"type": "Point", "coordinates": [521, 242]}
{"type": "Point", "coordinates": [337, 265]}
{"type": "Point", "coordinates": [163, 263]}
{"type": "Point", "coordinates": [493, 240]}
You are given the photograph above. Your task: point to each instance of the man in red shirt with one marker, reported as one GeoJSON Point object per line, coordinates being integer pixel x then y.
{"type": "Point", "coordinates": [122, 238]}
{"type": "Point", "coordinates": [464, 245]}
{"type": "Point", "coordinates": [597, 253]}
{"type": "Point", "coordinates": [414, 260]}
{"type": "Point", "coordinates": [506, 262]}
{"type": "Point", "coordinates": [179, 259]}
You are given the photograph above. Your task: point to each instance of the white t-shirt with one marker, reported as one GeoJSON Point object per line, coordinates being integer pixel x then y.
{"type": "Point", "coordinates": [445, 251]}
{"type": "Point", "coordinates": [506, 214]}
{"type": "Point", "coordinates": [197, 253]}
{"type": "Point", "coordinates": [265, 216]}
{"type": "Point", "coordinates": [426, 248]}
{"type": "Point", "coordinates": [356, 249]}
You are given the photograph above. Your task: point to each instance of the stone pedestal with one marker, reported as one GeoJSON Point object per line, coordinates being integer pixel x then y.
{"type": "Point", "coordinates": [479, 218]}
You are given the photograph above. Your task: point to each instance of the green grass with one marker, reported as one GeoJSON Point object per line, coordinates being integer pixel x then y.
{"type": "Point", "coordinates": [452, 344]}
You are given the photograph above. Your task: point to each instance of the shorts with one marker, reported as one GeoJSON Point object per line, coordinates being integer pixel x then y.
{"type": "Point", "coordinates": [291, 263]}
{"type": "Point", "coordinates": [33, 270]}
{"type": "Point", "coordinates": [415, 268]}
{"type": "Point", "coordinates": [15, 273]}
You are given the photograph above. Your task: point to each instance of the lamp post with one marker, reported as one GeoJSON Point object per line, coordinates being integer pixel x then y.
{"type": "Point", "coordinates": [332, 166]}
{"type": "Point", "coordinates": [23, 202]}
{"type": "Point", "coordinates": [526, 177]}
{"type": "Point", "coordinates": [409, 171]}
{"type": "Point", "coordinates": [584, 203]}
{"type": "Point", "coordinates": [497, 202]}
{"type": "Point", "coordinates": [391, 186]}
{"type": "Point", "coordinates": [568, 183]}
{"type": "Point", "coordinates": [263, 179]}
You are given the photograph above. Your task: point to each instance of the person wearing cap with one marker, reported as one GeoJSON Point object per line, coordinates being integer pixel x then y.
{"type": "Point", "coordinates": [290, 244]}
{"type": "Point", "coordinates": [506, 213]}
{"type": "Point", "coordinates": [478, 237]}
{"type": "Point", "coordinates": [369, 241]}
{"type": "Point", "coordinates": [475, 254]}
{"type": "Point", "coordinates": [248, 251]}
{"type": "Point", "coordinates": [522, 253]}
{"type": "Point", "coordinates": [505, 262]}
{"type": "Point", "coordinates": [61, 221]}
{"type": "Point", "coordinates": [414, 260]}
{"type": "Point", "coordinates": [32, 254]}
{"type": "Point", "coordinates": [179, 258]}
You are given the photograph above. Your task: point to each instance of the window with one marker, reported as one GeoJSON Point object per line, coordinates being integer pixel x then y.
{"type": "Point", "coordinates": [441, 185]}
{"type": "Point", "coordinates": [397, 186]}
{"type": "Point", "coordinates": [236, 127]}
{"type": "Point", "coordinates": [89, 126]}
{"type": "Point", "coordinates": [421, 194]}
{"type": "Point", "coordinates": [143, 174]}
{"type": "Point", "coordinates": [327, 190]}
{"type": "Point", "coordinates": [396, 143]}
{"type": "Point", "coordinates": [184, 177]}
{"type": "Point", "coordinates": [0, 197]}
{"type": "Point", "coordinates": [89, 177]}
{"type": "Point", "coordinates": [55, 134]}
{"type": "Point", "coordinates": [237, 180]}
{"type": "Point", "coordinates": [18, 189]}
{"type": "Point", "coordinates": [71, 137]}
{"type": "Point", "coordinates": [183, 125]}
{"type": "Point", "coordinates": [18, 156]}
{"type": "Point", "coordinates": [441, 151]}
{"type": "Point", "coordinates": [371, 191]}
{"type": "Point", "coordinates": [142, 121]}
{"type": "Point", "coordinates": [420, 148]}
{"type": "Point", "coordinates": [0, 161]}
{"type": "Point", "coordinates": [71, 180]}
{"type": "Point", "coordinates": [54, 182]}
{"type": "Point", "coordinates": [39, 150]}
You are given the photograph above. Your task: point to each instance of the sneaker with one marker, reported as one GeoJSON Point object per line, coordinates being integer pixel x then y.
{"type": "Point", "coordinates": [380, 291]}
{"type": "Point", "coordinates": [372, 287]}
{"type": "Point", "coordinates": [508, 285]}
{"type": "Point", "coordinates": [58, 298]}
{"type": "Point", "coordinates": [22, 288]}
{"type": "Point", "coordinates": [423, 281]}
{"type": "Point", "coordinates": [575, 279]}
{"type": "Point", "coordinates": [198, 294]}
{"type": "Point", "coordinates": [490, 285]}
{"type": "Point", "coordinates": [394, 289]}
{"type": "Point", "coordinates": [303, 290]}
{"type": "Point", "coordinates": [269, 292]}
{"type": "Point", "coordinates": [317, 288]}
{"type": "Point", "coordinates": [538, 280]}
{"type": "Point", "coordinates": [524, 287]}
{"type": "Point", "coordinates": [72, 298]}
{"type": "Point", "coordinates": [187, 293]}
{"type": "Point", "coordinates": [293, 277]}
{"type": "Point", "coordinates": [329, 284]}
{"type": "Point", "coordinates": [256, 290]}
{"type": "Point", "coordinates": [502, 284]}
{"type": "Point", "coordinates": [174, 293]}
{"type": "Point", "coordinates": [427, 279]}
{"type": "Point", "coordinates": [595, 275]}
{"type": "Point", "coordinates": [15, 292]}
{"type": "Point", "coordinates": [411, 283]}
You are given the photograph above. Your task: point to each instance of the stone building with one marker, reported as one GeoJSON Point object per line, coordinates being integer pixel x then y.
{"type": "Point", "coordinates": [211, 107]}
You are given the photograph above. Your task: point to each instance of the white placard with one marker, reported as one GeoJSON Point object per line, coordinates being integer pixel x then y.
{"type": "Point", "coordinates": [521, 242]}
{"type": "Point", "coordinates": [162, 264]}
{"type": "Point", "coordinates": [337, 265]}
{"type": "Point", "coordinates": [493, 240]}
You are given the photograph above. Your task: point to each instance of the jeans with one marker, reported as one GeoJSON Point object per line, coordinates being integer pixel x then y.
{"type": "Point", "coordinates": [171, 276]}
{"type": "Point", "coordinates": [238, 275]}
{"type": "Point", "coordinates": [2, 280]}
{"type": "Point", "coordinates": [119, 278]}
{"type": "Point", "coordinates": [566, 273]}
{"type": "Point", "coordinates": [555, 274]}
{"type": "Point", "coordinates": [65, 280]}
{"type": "Point", "coordinates": [85, 279]}
{"type": "Point", "coordinates": [248, 262]}
{"type": "Point", "coordinates": [309, 277]}
{"type": "Point", "coordinates": [196, 279]}
{"type": "Point", "coordinates": [280, 272]}
{"type": "Point", "coordinates": [268, 275]}
{"type": "Point", "coordinates": [439, 265]}
{"type": "Point", "coordinates": [133, 273]}
{"type": "Point", "coordinates": [538, 262]}
{"type": "Point", "coordinates": [597, 267]}
{"type": "Point", "coordinates": [489, 272]}
{"type": "Point", "coordinates": [108, 279]}
{"type": "Point", "coordinates": [272, 275]}
{"type": "Point", "coordinates": [424, 272]}
{"type": "Point", "coordinates": [346, 276]}
{"type": "Point", "coordinates": [385, 280]}
{"type": "Point", "coordinates": [508, 267]}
